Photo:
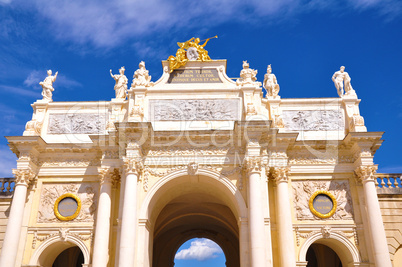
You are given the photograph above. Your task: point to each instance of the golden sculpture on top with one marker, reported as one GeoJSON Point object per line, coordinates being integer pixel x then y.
{"type": "Point", "coordinates": [189, 51]}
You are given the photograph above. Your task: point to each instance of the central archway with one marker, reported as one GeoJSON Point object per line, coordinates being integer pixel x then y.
{"type": "Point", "coordinates": [181, 207]}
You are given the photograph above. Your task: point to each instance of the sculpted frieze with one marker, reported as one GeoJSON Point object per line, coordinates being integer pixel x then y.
{"type": "Point", "coordinates": [313, 120]}
{"type": "Point", "coordinates": [190, 151]}
{"type": "Point", "coordinates": [77, 123]}
{"type": "Point", "coordinates": [51, 192]}
{"type": "Point", "coordinates": [69, 162]}
{"type": "Point", "coordinates": [303, 190]}
{"type": "Point", "coordinates": [194, 109]}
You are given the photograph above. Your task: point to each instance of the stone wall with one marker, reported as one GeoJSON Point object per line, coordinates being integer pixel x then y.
{"type": "Point", "coordinates": [391, 209]}
{"type": "Point", "coordinates": [4, 211]}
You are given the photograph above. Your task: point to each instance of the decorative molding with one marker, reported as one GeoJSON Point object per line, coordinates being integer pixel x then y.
{"type": "Point", "coordinates": [51, 192]}
{"type": "Point", "coordinates": [194, 109]}
{"type": "Point", "coordinates": [77, 123]}
{"type": "Point", "coordinates": [192, 168]}
{"type": "Point", "coordinates": [252, 164]}
{"type": "Point", "coordinates": [69, 162]}
{"type": "Point", "coordinates": [366, 173]}
{"type": "Point", "coordinates": [24, 176]}
{"type": "Point", "coordinates": [191, 151]}
{"type": "Point", "coordinates": [109, 175]}
{"type": "Point", "coordinates": [312, 161]}
{"type": "Point", "coordinates": [303, 190]}
{"type": "Point", "coordinates": [280, 174]}
{"type": "Point", "coordinates": [133, 165]}
{"type": "Point", "coordinates": [63, 233]}
{"type": "Point", "coordinates": [313, 120]}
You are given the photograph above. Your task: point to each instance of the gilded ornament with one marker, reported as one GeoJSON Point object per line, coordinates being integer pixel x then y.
{"type": "Point", "coordinates": [77, 211]}
{"type": "Point", "coordinates": [317, 213]}
{"type": "Point", "coordinates": [188, 51]}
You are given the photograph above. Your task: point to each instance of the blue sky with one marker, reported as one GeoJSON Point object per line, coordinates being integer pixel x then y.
{"type": "Point", "coordinates": [305, 41]}
{"type": "Point", "coordinates": [200, 252]}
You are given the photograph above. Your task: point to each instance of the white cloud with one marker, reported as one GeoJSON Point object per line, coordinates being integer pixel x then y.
{"type": "Point", "coordinates": [201, 249]}
{"type": "Point", "coordinates": [33, 79]}
{"type": "Point", "coordinates": [19, 91]}
{"type": "Point", "coordinates": [5, 2]}
{"type": "Point", "coordinates": [107, 24]}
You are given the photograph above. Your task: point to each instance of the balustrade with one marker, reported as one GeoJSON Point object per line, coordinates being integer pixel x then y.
{"type": "Point", "coordinates": [388, 180]}
{"type": "Point", "coordinates": [7, 186]}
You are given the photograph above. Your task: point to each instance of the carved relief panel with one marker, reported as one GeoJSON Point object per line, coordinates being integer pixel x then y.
{"type": "Point", "coordinates": [313, 120]}
{"type": "Point", "coordinates": [194, 109]}
{"type": "Point", "coordinates": [77, 123]}
{"type": "Point", "coordinates": [303, 190]}
{"type": "Point", "coordinates": [86, 192]}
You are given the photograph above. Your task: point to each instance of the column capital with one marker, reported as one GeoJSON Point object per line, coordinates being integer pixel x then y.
{"type": "Point", "coordinates": [252, 164]}
{"type": "Point", "coordinates": [366, 173]}
{"type": "Point", "coordinates": [24, 176]}
{"type": "Point", "coordinates": [280, 174]}
{"type": "Point", "coordinates": [133, 165]}
{"type": "Point", "coordinates": [109, 175]}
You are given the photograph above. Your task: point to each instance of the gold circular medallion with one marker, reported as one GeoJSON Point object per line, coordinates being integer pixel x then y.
{"type": "Point", "coordinates": [67, 207]}
{"type": "Point", "coordinates": [322, 204]}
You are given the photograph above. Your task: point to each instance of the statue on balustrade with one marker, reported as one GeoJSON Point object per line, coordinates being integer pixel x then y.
{"type": "Point", "coordinates": [270, 83]}
{"type": "Point", "coordinates": [342, 80]}
{"type": "Point", "coordinates": [247, 75]}
{"type": "Point", "coordinates": [47, 86]}
{"type": "Point", "coordinates": [142, 77]}
{"type": "Point", "coordinates": [121, 84]}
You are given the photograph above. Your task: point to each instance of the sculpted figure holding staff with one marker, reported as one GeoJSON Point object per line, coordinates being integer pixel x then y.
{"type": "Point", "coordinates": [121, 83]}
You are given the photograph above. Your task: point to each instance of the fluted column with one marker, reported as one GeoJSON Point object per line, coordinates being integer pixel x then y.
{"type": "Point", "coordinates": [12, 236]}
{"type": "Point", "coordinates": [284, 218]}
{"type": "Point", "coordinates": [256, 215]}
{"type": "Point", "coordinates": [108, 176]}
{"type": "Point", "coordinates": [374, 217]}
{"type": "Point", "coordinates": [132, 167]}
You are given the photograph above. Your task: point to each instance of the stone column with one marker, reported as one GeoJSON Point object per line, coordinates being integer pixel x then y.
{"type": "Point", "coordinates": [12, 237]}
{"type": "Point", "coordinates": [379, 243]}
{"type": "Point", "coordinates": [102, 231]}
{"type": "Point", "coordinates": [284, 218]}
{"type": "Point", "coordinates": [129, 215]}
{"type": "Point", "coordinates": [244, 244]}
{"type": "Point", "coordinates": [256, 215]}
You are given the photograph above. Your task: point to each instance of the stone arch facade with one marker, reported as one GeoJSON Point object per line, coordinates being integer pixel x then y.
{"type": "Point", "coordinates": [48, 251]}
{"type": "Point", "coordinates": [162, 192]}
{"type": "Point", "coordinates": [343, 247]}
{"type": "Point", "coordinates": [240, 208]}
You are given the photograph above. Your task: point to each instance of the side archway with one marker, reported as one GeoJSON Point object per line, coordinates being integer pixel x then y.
{"type": "Point", "coordinates": [48, 251]}
{"type": "Point", "coordinates": [343, 247]}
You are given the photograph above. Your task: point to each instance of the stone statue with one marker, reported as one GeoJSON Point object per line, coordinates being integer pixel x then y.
{"type": "Point", "coordinates": [270, 83]}
{"type": "Point", "coordinates": [247, 75]}
{"type": "Point", "coordinates": [121, 84]}
{"type": "Point", "coordinates": [142, 77]}
{"type": "Point", "coordinates": [342, 80]}
{"type": "Point", "coordinates": [47, 85]}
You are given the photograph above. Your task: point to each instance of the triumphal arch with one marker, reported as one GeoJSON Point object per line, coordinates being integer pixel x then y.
{"type": "Point", "coordinates": [125, 182]}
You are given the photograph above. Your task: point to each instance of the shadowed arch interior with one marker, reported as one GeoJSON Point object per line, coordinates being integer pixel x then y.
{"type": "Point", "coordinates": [193, 207]}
